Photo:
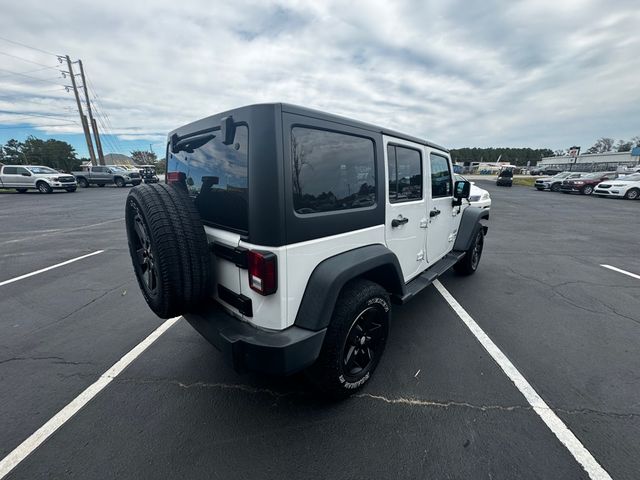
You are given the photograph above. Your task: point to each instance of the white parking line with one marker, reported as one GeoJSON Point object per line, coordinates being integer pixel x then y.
{"type": "Point", "coordinates": [21, 452]}
{"type": "Point", "coordinates": [48, 233]}
{"type": "Point", "coordinates": [27, 275]}
{"type": "Point", "coordinates": [619, 270]}
{"type": "Point", "coordinates": [548, 416]}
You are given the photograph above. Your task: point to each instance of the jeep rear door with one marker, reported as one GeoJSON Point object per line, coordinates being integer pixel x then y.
{"type": "Point", "coordinates": [406, 211]}
{"type": "Point", "coordinates": [215, 175]}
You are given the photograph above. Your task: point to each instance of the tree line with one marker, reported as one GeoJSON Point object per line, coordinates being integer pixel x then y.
{"type": "Point", "coordinates": [57, 154]}
{"type": "Point", "coordinates": [52, 153]}
{"type": "Point", "coordinates": [524, 156]}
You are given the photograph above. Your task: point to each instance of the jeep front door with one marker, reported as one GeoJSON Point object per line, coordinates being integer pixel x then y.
{"type": "Point", "coordinates": [406, 219]}
{"type": "Point", "coordinates": [442, 222]}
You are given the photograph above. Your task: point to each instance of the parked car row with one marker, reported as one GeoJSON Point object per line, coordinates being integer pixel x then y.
{"type": "Point", "coordinates": [609, 184]}
{"type": "Point", "coordinates": [46, 179]}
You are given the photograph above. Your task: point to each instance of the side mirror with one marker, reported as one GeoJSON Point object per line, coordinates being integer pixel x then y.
{"type": "Point", "coordinates": [461, 189]}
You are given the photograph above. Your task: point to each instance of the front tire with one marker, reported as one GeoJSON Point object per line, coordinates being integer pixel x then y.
{"type": "Point", "coordinates": [587, 190]}
{"type": "Point", "coordinates": [355, 340]}
{"type": "Point", "coordinates": [555, 187]}
{"type": "Point", "coordinates": [120, 183]}
{"type": "Point", "coordinates": [469, 263]}
{"type": "Point", "coordinates": [44, 187]}
{"type": "Point", "coordinates": [632, 194]}
{"type": "Point", "coordinates": [83, 182]}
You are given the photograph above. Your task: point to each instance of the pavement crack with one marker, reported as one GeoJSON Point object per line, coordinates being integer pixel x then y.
{"type": "Point", "coordinates": [213, 385]}
{"type": "Point", "coordinates": [56, 360]}
{"type": "Point", "coordinates": [416, 402]}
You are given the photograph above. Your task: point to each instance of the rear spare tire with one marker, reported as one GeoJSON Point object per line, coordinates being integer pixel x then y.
{"type": "Point", "coordinates": [168, 248]}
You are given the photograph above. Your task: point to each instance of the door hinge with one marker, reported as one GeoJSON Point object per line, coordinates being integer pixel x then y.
{"type": "Point", "coordinates": [423, 223]}
{"type": "Point", "coordinates": [420, 256]}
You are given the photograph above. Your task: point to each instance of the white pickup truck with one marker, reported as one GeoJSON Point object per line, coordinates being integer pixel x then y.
{"type": "Point", "coordinates": [38, 177]}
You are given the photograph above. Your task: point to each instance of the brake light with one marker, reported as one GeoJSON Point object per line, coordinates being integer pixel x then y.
{"type": "Point", "coordinates": [176, 177]}
{"type": "Point", "coordinates": [263, 272]}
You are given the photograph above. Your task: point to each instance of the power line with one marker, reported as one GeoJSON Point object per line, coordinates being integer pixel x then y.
{"type": "Point", "coordinates": [27, 46]}
{"type": "Point", "coordinates": [30, 71]}
{"type": "Point", "coordinates": [25, 60]}
{"type": "Point", "coordinates": [32, 77]}
{"type": "Point", "coordinates": [9, 112]}
{"type": "Point", "coordinates": [39, 126]}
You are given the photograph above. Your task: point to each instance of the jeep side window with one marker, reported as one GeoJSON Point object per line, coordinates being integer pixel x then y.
{"type": "Point", "coordinates": [440, 177]}
{"type": "Point", "coordinates": [405, 174]}
{"type": "Point", "coordinates": [331, 171]}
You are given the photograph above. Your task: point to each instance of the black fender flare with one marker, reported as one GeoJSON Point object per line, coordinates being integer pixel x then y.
{"type": "Point", "coordinates": [374, 262]}
{"type": "Point", "coordinates": [472, 219]}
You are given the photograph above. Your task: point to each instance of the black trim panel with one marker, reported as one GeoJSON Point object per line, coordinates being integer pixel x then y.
{"type": "Point", "coordinates": [282, 352]}
{"type": "Point", "coordinates": [237, 255]}
{"type": "Point", "coordinates": [374, 262]}
{"type": "Point", "coordinates": [236, 300]}
{"type": "Point", "coordinates": [469, 223]}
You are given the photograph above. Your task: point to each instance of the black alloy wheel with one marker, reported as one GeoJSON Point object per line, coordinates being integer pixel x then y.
{"type": "Point", "coordinates": [83, 183]}
{"type": "Point", "coordinates": [363, 342]}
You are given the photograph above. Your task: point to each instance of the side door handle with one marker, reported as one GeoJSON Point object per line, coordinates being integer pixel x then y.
{"type": "Point", "coordinates": [434, 213]}
{"type": "Point", "coordinates": [396, 222]}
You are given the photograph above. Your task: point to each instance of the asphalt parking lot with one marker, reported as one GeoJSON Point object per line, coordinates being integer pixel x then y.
{"type": "Point", "coordinates": [438, 407]}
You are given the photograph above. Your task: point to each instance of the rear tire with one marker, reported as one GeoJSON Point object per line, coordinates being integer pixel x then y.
{"type": "Point", "coordinates": [44, 187]}
{"type": "Point", "coordinates": [632, 194]}
{"type": "Point", "coordinates": [83, 183]}
{"type": "Point", "coordinates": [168, 248]}
{"type": "Point", "coordinates": [355, 340]}
{"type": "Point", "coordinates": [469, 263]}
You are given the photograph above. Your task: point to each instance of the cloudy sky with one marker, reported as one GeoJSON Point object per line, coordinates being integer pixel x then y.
{"type": "Point", "coordinates": [540, 73]}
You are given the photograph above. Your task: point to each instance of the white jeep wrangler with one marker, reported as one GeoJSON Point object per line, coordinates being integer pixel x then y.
{"type": "Point", "coordinates": [283, 235]}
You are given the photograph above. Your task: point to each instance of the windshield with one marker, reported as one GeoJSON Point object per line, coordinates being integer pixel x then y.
{"type": "Point", "coordinates": [42, 170]}
{"type": "Point", "coordinates": [631, 178]}
{"type": "Point", "coordinates": [216, 177]}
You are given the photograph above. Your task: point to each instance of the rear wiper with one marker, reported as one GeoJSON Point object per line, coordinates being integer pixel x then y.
{"type": "Point", "coordinates": [190, 144]}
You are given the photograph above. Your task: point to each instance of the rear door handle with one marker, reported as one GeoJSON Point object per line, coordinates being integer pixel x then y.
{"type": "Point", "coordinates": [434, 213]}
{"type": "Point", "coordinates": [396, 222]}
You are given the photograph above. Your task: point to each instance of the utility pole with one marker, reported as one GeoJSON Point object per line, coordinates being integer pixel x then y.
{"type": "Point", "coordinates": [94, 125]}
{"type": "Point", "coordinates": [83, 118]}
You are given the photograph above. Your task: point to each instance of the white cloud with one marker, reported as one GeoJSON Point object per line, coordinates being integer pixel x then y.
{"type": "Point", "coordinates": [533, 73]}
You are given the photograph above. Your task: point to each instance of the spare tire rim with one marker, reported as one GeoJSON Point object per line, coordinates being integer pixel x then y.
{"type": "Point", "coordinates": [363, 341]}
{"type": "Point", "coordinates": [145, 262]}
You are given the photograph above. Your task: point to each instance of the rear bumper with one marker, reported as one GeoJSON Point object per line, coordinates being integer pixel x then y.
{"type": "Point", "coordinates": [504, 181]}
{"type": "Point", "coordinates": [280, 352]}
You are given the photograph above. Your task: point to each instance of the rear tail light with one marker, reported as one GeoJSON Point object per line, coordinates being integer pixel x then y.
{"type": "Point", "coordinates": [263, 272]}
{"type": "Point", "coordinates": [176, 177]}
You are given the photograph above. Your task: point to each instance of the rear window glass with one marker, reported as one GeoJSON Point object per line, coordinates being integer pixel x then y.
{"type": "Point", "coordinates": [331, 171]}
{"type": "Point", "coordinates": [216, 177]}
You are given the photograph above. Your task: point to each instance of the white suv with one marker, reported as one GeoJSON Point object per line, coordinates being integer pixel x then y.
{"type": "Point", "coordinates": [283, 234]}
{"type": "Point", "coordinates": [627, 187]}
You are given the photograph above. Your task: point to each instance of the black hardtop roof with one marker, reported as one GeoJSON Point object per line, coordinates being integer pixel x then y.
{"type": "Point", "coordinates": [309, 112]}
